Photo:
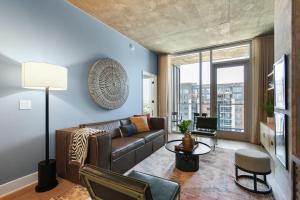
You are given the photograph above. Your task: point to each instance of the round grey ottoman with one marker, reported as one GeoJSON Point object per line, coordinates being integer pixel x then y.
{"type": "Point", "coordinates": [255, 163]}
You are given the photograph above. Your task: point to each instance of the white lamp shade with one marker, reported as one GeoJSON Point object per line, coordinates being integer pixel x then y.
{"type": "Point", "coordinates": [37, 75]}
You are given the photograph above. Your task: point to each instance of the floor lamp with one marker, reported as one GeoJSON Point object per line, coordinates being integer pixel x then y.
{"type": "Point", "coordinates": [45, 77]}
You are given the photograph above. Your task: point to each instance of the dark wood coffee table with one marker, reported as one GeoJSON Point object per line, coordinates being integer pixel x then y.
{"type": "Point", "coordinates": [187, 162]}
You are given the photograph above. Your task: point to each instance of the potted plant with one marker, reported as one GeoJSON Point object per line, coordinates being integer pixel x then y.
{"type": "Point", "coordinates": [269, 109]}
{"type": "Point", "coordinates": [187, 140]}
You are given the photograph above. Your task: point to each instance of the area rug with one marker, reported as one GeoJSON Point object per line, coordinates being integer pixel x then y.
{"type": "Point", "coordinates": [213, 181]}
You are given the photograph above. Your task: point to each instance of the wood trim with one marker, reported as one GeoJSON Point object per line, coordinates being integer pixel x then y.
{"type": "Point", "coordinates": [295, 70]}
{"type": "Point", "coordinates": [17, 184]}
{"type": "Point", "coordinates": [247, 103]}
{"type": "Point", "coordinates": [295, 165]}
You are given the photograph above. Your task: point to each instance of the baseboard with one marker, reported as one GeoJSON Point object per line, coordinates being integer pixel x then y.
{"type": "Point", "coordinates": [20, 183]}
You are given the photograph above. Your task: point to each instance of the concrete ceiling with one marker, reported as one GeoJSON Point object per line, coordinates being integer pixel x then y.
{"type": "Point", "coordinates": [169, 26]}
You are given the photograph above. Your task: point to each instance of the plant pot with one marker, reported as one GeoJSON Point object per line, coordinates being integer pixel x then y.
{"type": "Point", "coordinates": [270, 120]}
{"type": "Point", "coordinates": [188, 142]}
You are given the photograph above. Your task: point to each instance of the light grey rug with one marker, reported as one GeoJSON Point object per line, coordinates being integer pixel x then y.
{"type": "Point", "coordinates": [213, 180]}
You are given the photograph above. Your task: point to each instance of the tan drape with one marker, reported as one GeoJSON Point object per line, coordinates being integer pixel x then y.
{"type": "Point", "coordinates": [261, 65]}
{"type": "Point", "coordinates": [164, 85]}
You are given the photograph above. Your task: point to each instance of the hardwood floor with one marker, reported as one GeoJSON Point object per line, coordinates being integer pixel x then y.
{"type": "Point", "coordinates": [29, 193]}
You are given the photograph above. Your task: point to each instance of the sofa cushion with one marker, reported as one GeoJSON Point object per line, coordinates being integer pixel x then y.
{"type": "Point", "coordinates": [123, 145]}
{"type": "Point", "coordinates": [140, 123]}
{"type": "Point", "coordinates": [148, 118]}
{"type": "Point", "coordinates": [128, 130]}
{"type": "Point", "coordinates": [112, 127]}
{"type": "Point", "coordinates": [150, 135]}
{"type": "Point", "coordinates": [125, 122]}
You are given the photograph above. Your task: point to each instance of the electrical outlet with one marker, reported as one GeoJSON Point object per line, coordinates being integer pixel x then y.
{"type": "Point", "coordinates": [25, 105]}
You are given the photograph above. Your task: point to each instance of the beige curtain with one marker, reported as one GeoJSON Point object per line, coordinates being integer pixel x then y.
{"type": "Point", "coordinates": [261, 66]}
{"type": "Point", "coordinates": [164, 85]}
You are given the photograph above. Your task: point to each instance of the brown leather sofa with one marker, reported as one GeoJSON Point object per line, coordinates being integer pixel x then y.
{"type": "Point", "coordinates": [110, 151]}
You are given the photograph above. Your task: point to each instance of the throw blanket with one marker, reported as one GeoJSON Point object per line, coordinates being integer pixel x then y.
{"type": "Point", "coordinates": [79, 144]}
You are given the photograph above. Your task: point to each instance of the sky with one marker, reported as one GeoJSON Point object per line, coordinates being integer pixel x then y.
{"type": "Point", "coordinates": [190, 74]}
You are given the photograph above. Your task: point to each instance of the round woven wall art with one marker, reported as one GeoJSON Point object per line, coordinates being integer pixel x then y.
{"type": "Point", "coordinates": [108, 83]}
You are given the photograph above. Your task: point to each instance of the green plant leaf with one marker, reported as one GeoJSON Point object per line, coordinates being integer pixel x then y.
{"type": "Point", "coordinates": [184, 126]}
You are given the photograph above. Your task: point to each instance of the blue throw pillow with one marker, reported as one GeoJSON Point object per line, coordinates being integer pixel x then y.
{"type": "Point", "coordinates": [128, 130]}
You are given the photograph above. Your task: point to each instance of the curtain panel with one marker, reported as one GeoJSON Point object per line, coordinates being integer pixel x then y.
{"type": "Point", "coordinates": [262, 60]}
{"type": "Point", "coordinates": [164, 85]}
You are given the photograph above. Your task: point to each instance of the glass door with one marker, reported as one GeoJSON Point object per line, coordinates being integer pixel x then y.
{"type": "Point", "coordinates": [229, 95]}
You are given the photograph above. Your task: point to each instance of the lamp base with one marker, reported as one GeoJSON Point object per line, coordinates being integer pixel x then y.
{"type": "Point", "coordinates": [46, 176]}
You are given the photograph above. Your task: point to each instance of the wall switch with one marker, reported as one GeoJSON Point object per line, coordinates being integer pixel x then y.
{"type": "Point", "coordinates": [25, 105]}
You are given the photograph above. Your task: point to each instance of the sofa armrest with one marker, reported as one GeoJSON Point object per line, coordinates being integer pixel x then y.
{"type": "Point", "coordinates": [100, 150]}
{"type": "Point", "coordinates": [99, 153]}
{"type": "Point", "coordinates": [158, 123]}
{"type": "Point", "coordinates": [62, 144]}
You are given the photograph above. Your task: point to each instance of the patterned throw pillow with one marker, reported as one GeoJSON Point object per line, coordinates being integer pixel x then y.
{"type": "Point", "coordinates": [128, 130]}
{"type": "Point", "coordinates": [140, 123]}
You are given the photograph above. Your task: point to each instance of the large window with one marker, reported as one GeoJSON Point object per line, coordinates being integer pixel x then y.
{"type": "Point", "coordinates": [212, 81]}
{"type": "Point", "coordinates": [189, 84]}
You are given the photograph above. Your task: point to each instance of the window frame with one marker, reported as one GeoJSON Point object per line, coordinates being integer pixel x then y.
{"type": "Point", "coordinates": [228, 134]}
{"type": "Point", "coordinates": [247, 82]}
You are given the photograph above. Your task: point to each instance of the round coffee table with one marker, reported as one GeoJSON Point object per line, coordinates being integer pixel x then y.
{"type": "Point", "coordinates": [187, 162]}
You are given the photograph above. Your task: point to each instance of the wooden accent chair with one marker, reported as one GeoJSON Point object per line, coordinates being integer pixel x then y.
{"type": "Point", "coordinates": [106, 185]}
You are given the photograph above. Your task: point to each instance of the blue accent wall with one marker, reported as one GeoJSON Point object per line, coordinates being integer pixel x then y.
{"type": "Point", "coordinates": [54, 31]}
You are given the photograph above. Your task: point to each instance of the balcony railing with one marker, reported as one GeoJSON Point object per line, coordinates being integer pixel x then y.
{"type": "Point", "coordinates": [187, 110]}
{"type": "Point", "coordinates": [222, 115]}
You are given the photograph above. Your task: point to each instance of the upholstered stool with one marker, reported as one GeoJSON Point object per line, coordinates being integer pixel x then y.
{"type": "Point", "coordinates": [253, 162]}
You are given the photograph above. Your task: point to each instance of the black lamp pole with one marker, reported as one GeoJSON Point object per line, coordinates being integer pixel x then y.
{"type": "Point", "coordinates": [47, 168]}
{"type": "Point", "coordinates": [47, 125]}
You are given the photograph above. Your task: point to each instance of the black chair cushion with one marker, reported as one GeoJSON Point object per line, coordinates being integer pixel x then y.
{"type": "Point", "coordinates": [161, 189]}
{"type": "Point", "coordinates": [206, 123]}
